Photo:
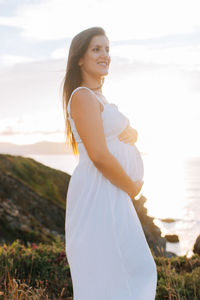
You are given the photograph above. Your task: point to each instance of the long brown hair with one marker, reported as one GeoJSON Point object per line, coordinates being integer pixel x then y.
{"type": "Point", "coordinates": [72, 79]}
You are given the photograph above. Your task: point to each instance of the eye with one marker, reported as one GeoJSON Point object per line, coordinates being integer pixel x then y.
{"type": "Point", "coordinates": [97, 48]}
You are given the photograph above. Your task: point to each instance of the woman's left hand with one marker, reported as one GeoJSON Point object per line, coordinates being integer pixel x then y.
{"type": "Point", "coordinates": [128, 135]}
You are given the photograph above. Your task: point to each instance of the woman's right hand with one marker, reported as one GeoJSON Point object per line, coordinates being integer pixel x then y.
{"type": "Point", "coordinates": [129, 135]}
{"type": "Point", "coordinates": [137, 186]}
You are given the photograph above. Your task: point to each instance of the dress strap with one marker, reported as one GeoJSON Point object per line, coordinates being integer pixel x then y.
{"type": "Point", "coordinates": [78, 88]}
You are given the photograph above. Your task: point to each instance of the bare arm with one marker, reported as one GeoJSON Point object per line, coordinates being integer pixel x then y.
{"type": "Point", "coordinates": [85, 111]}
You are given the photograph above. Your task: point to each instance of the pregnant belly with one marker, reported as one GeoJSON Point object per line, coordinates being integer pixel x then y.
{"type": "Point", "coordinates": [129, 157]}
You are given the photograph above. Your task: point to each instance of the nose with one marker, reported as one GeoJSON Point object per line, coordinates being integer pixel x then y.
{"type": "Point", "coordinates": [105, 54]}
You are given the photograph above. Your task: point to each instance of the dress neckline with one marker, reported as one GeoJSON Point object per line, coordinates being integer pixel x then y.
{"type": "Point", "coordinates": [96, 95]}
{"type": "Point", "coordinates": [102, 112]}
{"type": "Point", "coordinates": [105, 105]}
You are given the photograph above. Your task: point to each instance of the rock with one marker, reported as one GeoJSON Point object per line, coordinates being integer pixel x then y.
{"type": "Point", "coordinates": [196, 247]}
{"type": "Point", "coordinates": [167, 220]}
{"type": "Point", "coordinates": [172, 238]}
{"type": "Point", "coordinates": [152, 232]}
{"type": "Point", "coordinates": [170, 254]}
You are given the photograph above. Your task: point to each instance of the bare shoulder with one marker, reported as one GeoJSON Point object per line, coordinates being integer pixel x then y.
{"type": "Point", "coordinates": [86, 113]}
{"type": "Point", "coordinates": [83, 101]}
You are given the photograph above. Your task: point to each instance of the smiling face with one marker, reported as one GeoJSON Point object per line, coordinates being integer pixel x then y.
{"type": "Point", "coordinates": [96, 60]}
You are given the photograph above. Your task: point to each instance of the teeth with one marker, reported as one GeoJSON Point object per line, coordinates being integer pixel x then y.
{"type": "Point", "coordinates": [102, 63]}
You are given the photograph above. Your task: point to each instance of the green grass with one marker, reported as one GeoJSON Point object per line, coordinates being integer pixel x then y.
{"type": "Point", "coordinates": [45, 181]}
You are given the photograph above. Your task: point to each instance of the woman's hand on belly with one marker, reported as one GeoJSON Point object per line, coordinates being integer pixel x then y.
{"type": "Point", "coordinates": [129, 135]}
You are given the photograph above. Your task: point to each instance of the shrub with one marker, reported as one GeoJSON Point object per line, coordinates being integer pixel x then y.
{"type": "Point", "coordinates": [41, 271]}
{"type": "Point", "coordinates": [36, 265]}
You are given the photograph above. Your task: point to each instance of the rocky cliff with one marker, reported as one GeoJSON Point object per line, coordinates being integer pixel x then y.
{"type": "Point", "coordinates": [32, 200]}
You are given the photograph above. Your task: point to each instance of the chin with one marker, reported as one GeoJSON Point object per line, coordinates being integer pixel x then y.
{"type": "Point", "coordinates": [104, 73]}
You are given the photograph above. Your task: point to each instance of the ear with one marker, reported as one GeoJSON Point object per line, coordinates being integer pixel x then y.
{"type": "Point", "coordinates": [80, 62]}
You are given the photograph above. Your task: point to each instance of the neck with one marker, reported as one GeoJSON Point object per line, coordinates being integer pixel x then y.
{"type": "Point", "coordinates": [94, 85]}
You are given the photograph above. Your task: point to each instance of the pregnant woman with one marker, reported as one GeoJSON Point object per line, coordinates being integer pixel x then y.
{"type": "Point", "coordinates": [106, 248]}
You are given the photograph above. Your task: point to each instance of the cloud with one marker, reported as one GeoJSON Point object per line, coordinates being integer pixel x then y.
{"type": "Point", "coordinates": [31, 87]}
{"type": "Point", "coordinates": [165, 41]}
{"type": "Point", "coordinates": [59, 53]}
{"type": "Point", "coordinates": [9, 131]}
{"type": "Point", "coordinates": [58, 19]}
{"type": "Point", "coordinates": [14, 45]}
{"type": "Point", "coordinates": [32, 124]}
{"type": "Point", "coordinates": [9, 60]}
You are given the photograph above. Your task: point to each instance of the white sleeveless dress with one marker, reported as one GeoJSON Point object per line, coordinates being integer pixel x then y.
{"type": "Point", "coordinates": [106, 248]}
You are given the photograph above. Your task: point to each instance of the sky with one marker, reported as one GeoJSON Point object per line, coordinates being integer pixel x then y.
{"type": "Point", "coordinates": [154, 75]}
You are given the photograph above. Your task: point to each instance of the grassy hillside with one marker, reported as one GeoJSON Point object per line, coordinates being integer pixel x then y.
{"type": "Point", "coordinates": [45, 181]}
{"type": "Point", "coordinates": [32, 200]}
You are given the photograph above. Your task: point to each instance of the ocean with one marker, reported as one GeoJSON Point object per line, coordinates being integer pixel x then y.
{"type": "Point", "coordinates": [172, 189]}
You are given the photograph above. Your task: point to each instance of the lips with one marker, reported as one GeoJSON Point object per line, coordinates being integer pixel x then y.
{"type": "Point", "coordinates": [102, 63]}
